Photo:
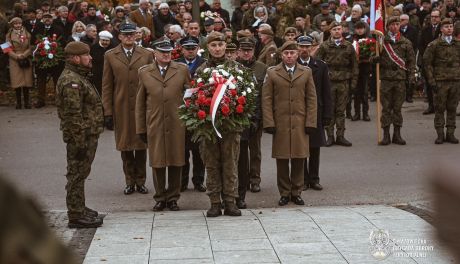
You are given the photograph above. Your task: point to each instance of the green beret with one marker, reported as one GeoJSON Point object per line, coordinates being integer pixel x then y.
{"type": "Point", "coordinates": [446, 21]}
{"type": "Point", "coordinates": [334, 24]}
{"type": "Point", "coordinates": [290, 30]}
{"type": "Point", "coordinates": [215, 36]}
{"type": "Point", "coordinates": [393, 19]}
{"type": "Point", "coordinates": [76, 48]}
{"type": "Point", "coordinates": [288, 45]}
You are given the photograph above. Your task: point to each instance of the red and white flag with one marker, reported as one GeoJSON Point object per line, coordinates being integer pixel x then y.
{"type": "Point", "coordinates": [6, 47]}
{"type": "Point", "coordinates": [377, 22]}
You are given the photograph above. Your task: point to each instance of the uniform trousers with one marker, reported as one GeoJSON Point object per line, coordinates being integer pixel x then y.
{"type": "Point", "coordinates": [172, 193]}
{"type": "Point", "coordinates": [311, 167]}
{"type": "Point", "coordinates": [393, 94]}
{"type": "Point", "coordinates": [134, 166]}
{"type": "Point", "coordinates": [290, 183]}
{"type": "Point", "coordinates": [446, 99]}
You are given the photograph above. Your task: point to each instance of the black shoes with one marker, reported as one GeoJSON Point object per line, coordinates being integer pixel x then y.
{"type": "Point", "coordinates": [85, 221]}
{"type": "Point", "coordinates": [451, 138]}
{"type": "Point", "coordinates": [90, 212]}
{"type": "Point", "coordinates": [356, 117]}
{"type": "Point", "coordinates": [129, 189]}
{"type": "Point", "coordinates": [172, 205]}
{"type": "Point", "coordinates": [142, 189]}
{"type": "Point", "coordinates": [366, 117]}
{"type": "Point", "coordinates": [215, 210]}
{"type": "Point", "coordinates": [342, 141]}
{"type": "Point", "coordinates": [241, 204]}
{"type": "Point", "coordinates": [297, 200]}
{"type": "Point", "coordinates": [200, 187]}
{"type": "Point", "coordinates": [386, 137]}
{"type": "Point", "coordinates": [284, 200]}
{"type": "Point", "coordinates": [316, 186]}
{"type": "Point", "coordinates": [183, 188]}
{"type": "Point", "coordinates": [159, 206]}
{"type": "Point", "coordinates": [255, 187]}
{"type": "Point", "coordinates": [397, 139]}
{"type": "Point", "coordinates": [39, 104]}
{"type": "Point", "coordinates": [330, 141]}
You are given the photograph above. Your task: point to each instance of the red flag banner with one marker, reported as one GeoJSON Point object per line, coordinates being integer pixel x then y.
{"type": "Point", "coordinates": [377, 22]}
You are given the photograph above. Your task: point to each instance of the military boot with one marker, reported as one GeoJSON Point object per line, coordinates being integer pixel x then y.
{"type": "Point", "coordinates": [397, 139]}
{"type": "Point", "coordinates": [90, 212]}
{"type": "Point", "coordinates": [330, 140]}
{"type": "Point", "coordinates": [26, 98]}
{"type": "Point", "coordinates": [366, 116]}
{"type": "Point", "coordinates": [18, 98]}
{"type": "Point", "coordinates": [215, 210]}
{"type": "Point", "coordinates": [231, 209]}
{"type": "Point", "coordinates": [450, 137]}
{"type": "Point", "coordinates": [85, 221]}
{"type": "Point", "coordinates": [386, 137]}
{"type": "Point", "coordinates": [342, 141]}
{"type": "Point", "coordinates": [356, 117]}
{"type": "Point", "coordinates": [240, 203]}
{"type": "Point", "coordinates": [440, 139]}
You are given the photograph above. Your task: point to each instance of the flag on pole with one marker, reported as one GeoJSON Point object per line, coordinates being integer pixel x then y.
{"type": "Point", "coordinates": [377, 22]}
{"type": "Point", "coordinates": [6, 47]}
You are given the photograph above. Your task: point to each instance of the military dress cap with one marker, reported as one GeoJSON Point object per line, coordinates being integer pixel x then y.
{"type": "Point", "coordinates": [76, 48]}
{"type": "Point", "coordinates": [267, 31]}
{"type": "Point", "coordinates": [163, 45]}
{"type": "Point", "coordinates": [325, 5]}
{"type": "Point", "coordinates": [446, 21]}
{"type": "Point", "coordinates": [247, 43]}
{"type": "Point", "coordinates": [208, 21]}
{"type": "Point", "coordinates": [215, 36]}
{"type": "Point", "coordinates": [288, 45]}
{"type": "Point", "coordinates": [189, 41]}
{"type": "Point", "coordinates": [305, 40]}
{"type": "Point", "coordinates": [127, 27]}
{"type": "Point", "coordinates": [232, 46]}
{"type": "Point", "coordinates": [290, 30]}
{"type": "Point", "coordinates": [334, 24]}
{"type": "Point", "coordinates": [393, 19]}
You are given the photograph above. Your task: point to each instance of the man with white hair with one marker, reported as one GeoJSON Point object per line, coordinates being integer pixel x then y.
{"type": "Point", "coordinates": [90, 36]}
{"type": "Point", "coordinates": [356, 15]}
{"type": "Point", "coordinates": [163, 18]}
{"type": "Point", "coordinates": [97, 52]}
{"type": "Point", "coordinates": [62, 21]}
{"type": "Point", "coordinates": [142, 16]}
{"type": "Point", "coordinates": [175, 33]}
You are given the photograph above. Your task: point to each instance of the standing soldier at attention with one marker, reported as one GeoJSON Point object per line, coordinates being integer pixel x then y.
{"type": "Point", "coordinates": [220, 158]}
{"type": "Point", "coordinates": [119, 90]}
{"type": "Point", "coordinates": [442, 61]}
{"type": "Point", "coordinates": [289, 113]}
{"type": "Point", "coordinates": [397, 65]}
{"type": "Point", "coordinates": [340, 57]}
{"type": "Point", "coordinates": [82, 120]}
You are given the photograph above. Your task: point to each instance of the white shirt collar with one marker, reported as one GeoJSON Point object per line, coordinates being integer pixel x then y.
{"type": "Point", "coordinates": [290, 68]}
{"type": "Point", "coordinates": [126, 50]}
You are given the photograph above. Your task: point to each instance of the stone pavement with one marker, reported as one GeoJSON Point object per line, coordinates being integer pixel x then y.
{"type": "Point", "coordinates": [288, 235]}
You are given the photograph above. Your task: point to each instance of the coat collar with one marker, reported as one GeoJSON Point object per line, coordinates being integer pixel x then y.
{"type": "Point", "coordinates": [122, 57]}
{"type": "Point", "coordinates": [170, 72]}
{"type": "Point", "coordinates": [281, 71]}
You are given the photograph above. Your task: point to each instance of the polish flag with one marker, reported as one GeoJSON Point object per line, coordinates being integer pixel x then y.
{"type": "Point", "coordinates": [6, 47]}
{"type": "Point", "coordinates": [377, 22]}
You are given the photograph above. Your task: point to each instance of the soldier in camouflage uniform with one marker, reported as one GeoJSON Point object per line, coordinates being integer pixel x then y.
{"type": "Point", "coordinates": [442, 61]}
{"type": "Point", "coordinates": [82, 120]}
{"type": "Point", "coordinates": [220, 158]}
{"type": "Point", "coordinates": [340, 57]}
{"type": "Point", "coordinates": [394, 74]}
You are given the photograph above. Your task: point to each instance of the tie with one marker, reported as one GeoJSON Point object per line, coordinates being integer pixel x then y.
{"type": "Point", "coordinates": [448, 39]}
{"type": "Point", "coordinates": [129, 54]}
{"type": "Point", "coordinates": [433, 31]}
{"type": "Point", "coordinates": [163, 72]}
{"type": "Point", "coordinates": [290, 73]}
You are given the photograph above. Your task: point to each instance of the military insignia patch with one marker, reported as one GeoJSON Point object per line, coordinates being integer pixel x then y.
{"type": "Point", "coordinates": [75, 86]}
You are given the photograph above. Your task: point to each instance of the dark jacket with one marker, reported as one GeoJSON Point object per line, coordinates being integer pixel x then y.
{"type": "Point", "coordinates": [427, 36]}
{"type": "Point", "coordinates": [324, 99]}
{"type": "Point", "coordinates": [97, 53]}
{"type": "Point", "coordinates": [53, 30]}
{"type": "Point", "coordinates": [198, 61]}
{"type": "Point", "coordinates": [224, 14]}
{"type": "Point", "coordinates": [66, 29]}
{"type": "Point", "coordinates": [160, 21]}
{"type": "Point", "coordinates": [237, 18]}
{"type": "Point", "coordinates": [411, 34]}
{"type": "Point", "coordinates": [95, 20]}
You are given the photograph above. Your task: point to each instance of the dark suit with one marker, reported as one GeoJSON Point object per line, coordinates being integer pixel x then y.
{"type": "Point", "coordinates": [411, 33]}
{"type": "Point", "coordinates": [427, 35]}
{"type": "Point", "coordinates": [198, 166]}
{"type": "Point", "coordinates": [66, 28]}
{"type": "Point", "coordinates": [324, 102]}
{"type": "Point", "coordinates": [97, 53]}
{"type": "Point", "coordinates": [32, 26]}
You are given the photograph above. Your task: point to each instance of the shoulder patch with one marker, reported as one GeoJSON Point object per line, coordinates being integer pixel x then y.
{"type": "Point", "coordinates": [75, 86]}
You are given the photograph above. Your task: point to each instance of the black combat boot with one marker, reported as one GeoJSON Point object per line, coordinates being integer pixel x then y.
{"type": "Point", "coordinates": [356, 117]}
{"type": "Point", "coordinates": [342, 141]}
{"type": "Point", "coordinates": [397, 139]}
{"type": "Point", "coordinates": [240, 203]}
{"type": "Point", "coordinates": [18, 98]}
{"type": "Point", "coordinates": [366, 116]}
{"type": "Point", "coordinates": [386, 137]}
{"type": "Point", "coordinates": [440, 139]}
{"type": "Point", "coordinates": [330, 140]}
{"type": "Point", "coordinates": [85, 221]}
{"type": "Point", "coordinates": [231, 209]}
{"type": "Point", "coordinates": [26, 98]}
{"type": "Point", "coordinates": [90, 212]}
{"type": "Point", "coordinates": [215, 210]}
{"type": "Point", "coordinates": [450, 137]}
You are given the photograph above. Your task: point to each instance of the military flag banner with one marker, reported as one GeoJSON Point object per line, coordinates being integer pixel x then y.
{"type": "Point", "coordinates": [377, 20]}
{"type": "Point", "coordinates": [6, 47]}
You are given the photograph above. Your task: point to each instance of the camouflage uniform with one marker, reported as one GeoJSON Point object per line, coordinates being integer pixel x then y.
{"type": "Point", "coordinates": [82, 119]}
{"type": "Point", "coordinates": [442, 61]}
{"type": "Point", "coordinates": [393, 88]}
{"type": "Point", "coordinates": [221, 158]}
{"type": "Point", "coordinates": [343, 71]}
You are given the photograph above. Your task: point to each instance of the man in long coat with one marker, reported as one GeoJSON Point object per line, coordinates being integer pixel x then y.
{"type": "Point", "coordinates": [324, 102]}
{"type": "Point", "coordinates": [119, 90]}
{"type": "Point", "coordinates": [142, 17]}
{"type": "Point", "coordinates": [289, 113]}
{"type": "Point", "coordinates": [161, 90]}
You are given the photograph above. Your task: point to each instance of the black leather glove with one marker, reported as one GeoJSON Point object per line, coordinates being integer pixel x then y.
{"type": "Point", "coordinates": [270, 130]}
{"type": "Point", "coordinates": [434, 88]}
{"type": "Point", "coordinates": [326, 122]}
{"type": "Point", "coordinates": [81, 154]}
{"type": "Point", "coordinates": [108, 122]}
{"type": "Point", "coordinates": [309, 130]}
{"type": "Point", "coordinates": [143, 137]}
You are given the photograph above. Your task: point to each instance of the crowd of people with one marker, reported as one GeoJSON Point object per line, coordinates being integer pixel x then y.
{"type": "Point", "coordinates": [140, 59]}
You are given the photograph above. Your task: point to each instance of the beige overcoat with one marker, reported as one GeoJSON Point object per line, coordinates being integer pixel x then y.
{"type": "Point", "coordinates": [157, 106]}
{"type": "Point", "coordinates": [289, 106]}
{"type": "Point", "coordinates": [20, 77]}
{"type": "Point", "coordinates": [119, 90]}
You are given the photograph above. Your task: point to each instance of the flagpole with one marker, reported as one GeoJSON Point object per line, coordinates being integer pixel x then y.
{"type": "Point", "coordinates": [379, 107]}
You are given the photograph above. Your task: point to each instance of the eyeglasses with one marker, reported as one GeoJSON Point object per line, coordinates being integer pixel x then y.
{"type": "Point", "coordinates": [435, 16]}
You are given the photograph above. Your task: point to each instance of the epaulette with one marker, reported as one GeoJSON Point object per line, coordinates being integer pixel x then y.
{"type": "Point", "coordinates": [271, 67]}
{"type": "Point", "coordinates": [143, 67]}
{"type": "Point", "coordinates": [110, 50]}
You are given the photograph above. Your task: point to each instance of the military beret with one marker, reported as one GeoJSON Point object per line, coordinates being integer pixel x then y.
{"type": "Point", "coordinates": [189, 41]}
{"type": "Point", "coordinates": [334, 24]}
{"type": "Point", "coordinates": [446, 21]}
{"type": "Point", "coordinates": [215, 36]}
{"type": "Point", "coordinates": [76, 48]}
{"type": "Point", "coordinates": [243, 33]}
{"type": "Point", "coordinates": [267, 31]}
{"type": "Point", "coordinates": [290, 30]}
{"type": "Point", "coordinates": [305, 40]}
{"type": "Point", "coordinates": [393, 19]}
{"type": "Point", "coordinates": [247, 43]}
{"type": "Point", "coordinates": [127, 27]}
{"type": "Point", "coordinates": [288, 45]}
{"type": "Point", "coordinates": [232, 46]}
